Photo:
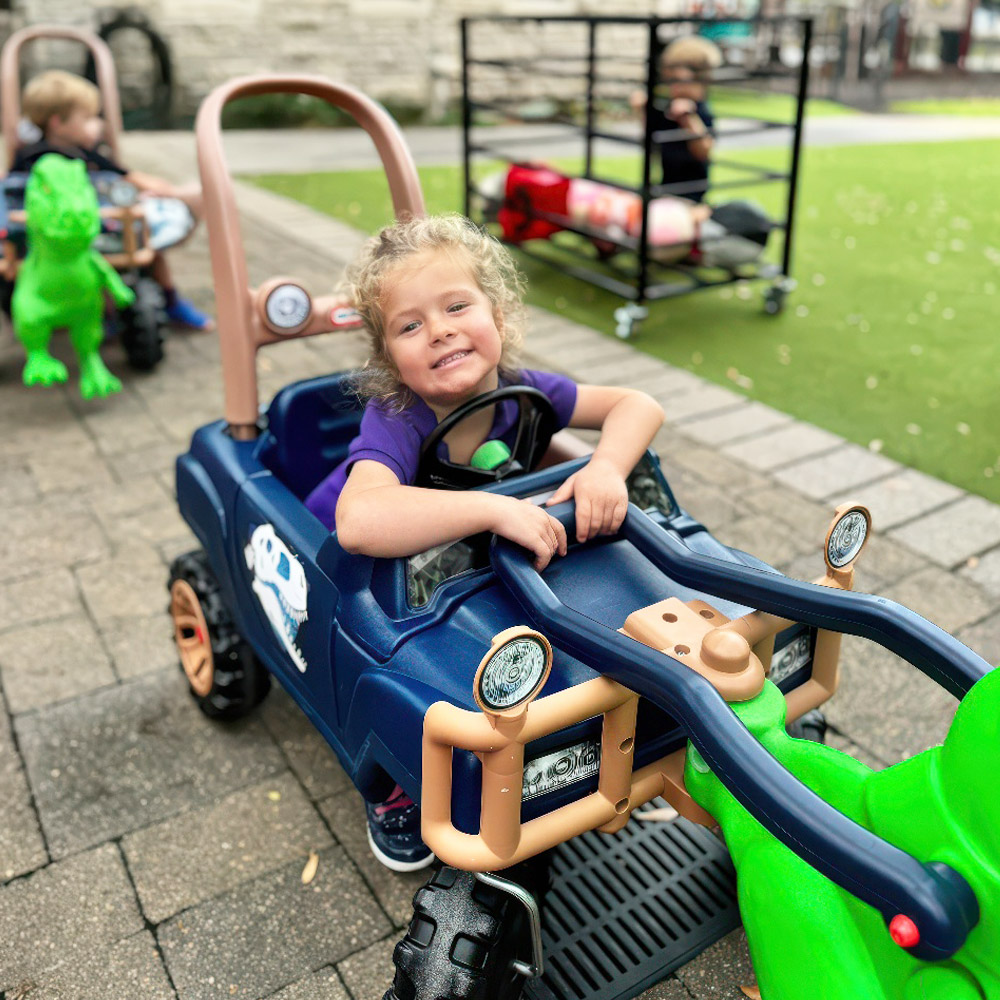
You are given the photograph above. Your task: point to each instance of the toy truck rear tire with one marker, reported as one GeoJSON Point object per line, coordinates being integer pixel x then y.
{"type": "Point", "coordinates": [461, 942]}
{"type": "Point", "coordinates": [226, 680]}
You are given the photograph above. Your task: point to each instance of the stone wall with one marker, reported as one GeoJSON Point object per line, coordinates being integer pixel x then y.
{"type": "Point", "coordinates": [399, 51]}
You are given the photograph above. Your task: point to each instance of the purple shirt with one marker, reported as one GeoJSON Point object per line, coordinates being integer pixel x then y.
{"type": "Point", "coordinates": [395, 439]}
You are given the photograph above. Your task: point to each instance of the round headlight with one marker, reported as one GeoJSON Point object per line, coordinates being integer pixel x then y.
{"type": "Point", "coordinates": [287, 308]}
{"type": "Point", "coordinates": [847, 536]}
{"type": "Point", "coordinates": [513, 671]}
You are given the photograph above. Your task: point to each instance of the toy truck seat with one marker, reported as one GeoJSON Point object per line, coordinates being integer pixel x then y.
{"type": "Point", "coordinates": [310, 425]}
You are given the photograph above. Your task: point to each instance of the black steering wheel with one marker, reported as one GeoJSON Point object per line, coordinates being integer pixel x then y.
{"type": "Point", "coordinates": [535, 426]}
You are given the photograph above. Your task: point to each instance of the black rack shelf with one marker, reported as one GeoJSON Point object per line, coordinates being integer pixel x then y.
{"type": "Point", "coordinates": [631, 269]}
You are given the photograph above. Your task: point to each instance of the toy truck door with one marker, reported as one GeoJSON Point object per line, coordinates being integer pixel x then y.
{"type": "Point", "coordinates": [286, 600]}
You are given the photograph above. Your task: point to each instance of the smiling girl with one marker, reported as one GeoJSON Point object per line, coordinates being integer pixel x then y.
{"type": "Point", "coordinates": [442, 304]}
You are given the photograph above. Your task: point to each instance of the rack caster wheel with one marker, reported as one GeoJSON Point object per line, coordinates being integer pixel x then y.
{"type": "Point", "coordinates": [628, 318]}
{"type": "Point", "coordinates": [774, 297]}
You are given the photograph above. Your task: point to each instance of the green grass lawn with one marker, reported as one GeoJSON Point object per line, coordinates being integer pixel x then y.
{"type": "Point", "coordinates": [890, 339]}
{"type": "Point", "coordinates": [964, 107]}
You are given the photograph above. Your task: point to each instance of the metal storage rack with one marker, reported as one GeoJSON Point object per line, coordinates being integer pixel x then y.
{"type": "Point", "coordinates": [592, 78]}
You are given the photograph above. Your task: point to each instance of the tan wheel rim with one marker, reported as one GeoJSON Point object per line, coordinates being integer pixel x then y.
{"type": "Point", "coordinates": [191, 636]}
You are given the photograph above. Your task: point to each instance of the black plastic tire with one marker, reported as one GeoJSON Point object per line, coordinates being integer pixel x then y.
{"type": "Point", "coordinates": [811, 726]}
{"type": "Point", "coordinates": [461, 942]}
{"type": "Point", "coordinates": [236, 681]}
{"type": "Point", "coordinates": [142, 327]}
{"type": "Point", "coordinates": [6, 294]}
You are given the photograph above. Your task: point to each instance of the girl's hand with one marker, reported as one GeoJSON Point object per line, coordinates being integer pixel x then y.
{"type": "Point", "coordinates": [530, 527]}
{"type": "Point", "coordinates": [601, 499]}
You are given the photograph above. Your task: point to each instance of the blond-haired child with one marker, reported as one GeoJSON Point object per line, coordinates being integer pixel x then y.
{"type": "Point", "coordinates": [66, 108]}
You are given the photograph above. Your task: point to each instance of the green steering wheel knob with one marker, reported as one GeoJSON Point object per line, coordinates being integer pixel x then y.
{"type": "Point", "coordinates": [489, 455]}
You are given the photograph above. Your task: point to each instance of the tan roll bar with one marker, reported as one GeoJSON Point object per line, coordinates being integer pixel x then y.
{"type": "Point", "coordinates": [238, 307]}
{"type": "Point", "coordinates": [10, 81]}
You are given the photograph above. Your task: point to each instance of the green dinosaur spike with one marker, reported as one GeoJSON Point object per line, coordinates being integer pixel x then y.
{"type": "Point", "coordinates": [62, 280]}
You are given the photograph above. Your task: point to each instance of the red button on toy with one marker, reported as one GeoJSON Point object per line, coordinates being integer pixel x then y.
{"type": "Point", "coordinates": [904, 931]}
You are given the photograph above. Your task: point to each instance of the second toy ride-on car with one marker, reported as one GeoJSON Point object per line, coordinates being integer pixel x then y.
{"type": "Point", "coordinates": [133, 229]}
{"type": "Point", "coordinates": [522, 711]}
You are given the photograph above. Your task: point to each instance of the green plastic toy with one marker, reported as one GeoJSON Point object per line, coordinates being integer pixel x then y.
{"type": "Point", "coordinates": [62, 281]}
{"type": "Point", "coordinates": [811, 940]}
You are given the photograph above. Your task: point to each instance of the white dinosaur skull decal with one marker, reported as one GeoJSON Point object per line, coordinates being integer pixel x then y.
{"type": "Point", "coordinates": [279, 581]}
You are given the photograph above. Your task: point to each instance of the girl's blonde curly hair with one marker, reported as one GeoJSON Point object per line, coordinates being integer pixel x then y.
{"type": "Point", "coordinates": [366, 280]}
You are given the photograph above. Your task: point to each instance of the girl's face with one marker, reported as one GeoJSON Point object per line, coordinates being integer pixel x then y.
{"type": "Point", "coordinates": [440, 331]}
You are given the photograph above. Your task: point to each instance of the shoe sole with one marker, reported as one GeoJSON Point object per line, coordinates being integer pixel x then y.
{"type": "Point", "coordinates": [395, 865]}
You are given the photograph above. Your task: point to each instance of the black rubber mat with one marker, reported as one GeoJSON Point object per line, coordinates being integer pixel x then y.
{"type": "Point", "coordinates": [625, 910]}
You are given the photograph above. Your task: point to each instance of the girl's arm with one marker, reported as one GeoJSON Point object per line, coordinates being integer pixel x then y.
{"type": "Point", "coordinates": [376, 516]}
{"type": "Point", "coordinates": [628, 421]}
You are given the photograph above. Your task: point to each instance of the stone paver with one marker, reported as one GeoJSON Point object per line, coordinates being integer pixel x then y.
{"type": "Point", "coordinates": [307, 753]}
{"type": "Point", "coordinates": [718, 972]}
{"type": "Point", "coordinates": [368, 974]}
{"type": "Point", "coordinates": [323, 984]}
{"type": "Point", "coordinates": [43, 536]}
{"type": "Point", "coordinates": [51, 662]}
{"type": "Point", "coordinates": [782, 446]}
{"type": "Point", "coordinates": [40, 598]}
{"type": "Point", "coordinates": [346, 815]}
{"type": "Point", "coordinates": [950, 535]}
{"type": "Point", "coordinates": [128, 968]}
{"type": "Point", "coordinates": [840, 471]}
{"type": "Point", "coordinates": [132, 755]}
{"type": "Point", "coordinates": [129, 584]}
{"type": "Point", "coordinates": [734, 424]}
{"type": "Point", "coordinates": [22, 848]}
{"type": "Point", "coordinates": [261, 936]}
{"type": "Point", "coordinates": [984, 571]}
{"type": "Point", "coordinates": [885, 705]}
{"type": "Point", "coordinates": [709, 399]}
{"type": "Point", "coordinates": [142, 645]}
{"type": "Point", "coordinates": [904, 496]}
{"type": "Point", "coordinates": [63, 913]}
{"type": "Point", "coordinates": [197, 855]}
{"type": "Point", "coordinates": [940, 597]}
{"type": "Point", "coordinates": [74, 470]}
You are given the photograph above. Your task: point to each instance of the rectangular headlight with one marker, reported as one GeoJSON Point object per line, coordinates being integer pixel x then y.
{"type": "Point", "coordinates": [790, 658]}
{"type": "Point", "coordinates": [560, 768]}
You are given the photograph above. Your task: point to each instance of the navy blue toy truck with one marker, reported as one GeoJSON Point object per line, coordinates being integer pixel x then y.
{"type": "Point", "coordinates": [521, 711]}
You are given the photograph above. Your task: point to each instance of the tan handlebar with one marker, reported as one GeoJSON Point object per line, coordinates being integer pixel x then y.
{"type": "Point", "coordinates": [241, 332]}
{"type": "Point", "coordinates": [10, 81]}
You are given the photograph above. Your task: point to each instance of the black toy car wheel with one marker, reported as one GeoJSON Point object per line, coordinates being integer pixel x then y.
{"type": "Point", "coordinates": [142, 327]}
{"type": "Point", "coordinates": [461, 943]}
{"type": "Point", "coordinates": [6, 295]}
{"type": "Point", "coordinates": [227, 680]}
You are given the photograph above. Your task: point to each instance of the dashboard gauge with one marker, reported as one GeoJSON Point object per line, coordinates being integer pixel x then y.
{"type": "Point", "coordinates": [287, 308]}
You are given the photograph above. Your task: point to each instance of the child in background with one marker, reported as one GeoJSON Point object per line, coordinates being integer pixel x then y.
{"type": "Point", "coordinates": [66, 109]}
{"type": "Point", "coordinates": [441, 301]}
{"type": "Point", "coordinates": [685, 68]}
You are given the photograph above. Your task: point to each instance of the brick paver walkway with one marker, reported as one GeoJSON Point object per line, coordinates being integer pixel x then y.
{"type": "Point", "coordinates": [146, 852]}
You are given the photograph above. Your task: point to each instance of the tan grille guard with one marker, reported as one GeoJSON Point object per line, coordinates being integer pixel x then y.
{"type": "Point", "coordinates": [499, 743]}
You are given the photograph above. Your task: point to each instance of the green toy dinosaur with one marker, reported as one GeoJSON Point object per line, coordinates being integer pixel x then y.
{"type": "Point", "coordinates": [62, 281]}
{"type": "Point", "coordinates": [811, 940]}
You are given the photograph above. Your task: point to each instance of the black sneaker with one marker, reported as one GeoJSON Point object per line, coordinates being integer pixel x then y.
{"type": "Point", "coordinates": [394, 833]}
